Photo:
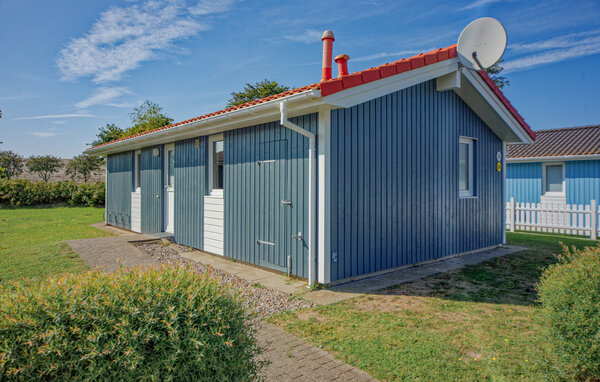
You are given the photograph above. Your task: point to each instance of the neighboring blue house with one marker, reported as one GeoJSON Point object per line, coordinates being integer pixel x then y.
{"type": "Point", "coordinates": [562, 166]}
{"type": "Point", "coordinates": [351, 176]}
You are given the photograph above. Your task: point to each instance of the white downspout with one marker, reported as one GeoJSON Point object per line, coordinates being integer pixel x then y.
{"type": "Point", "coordinates": [312, 187]}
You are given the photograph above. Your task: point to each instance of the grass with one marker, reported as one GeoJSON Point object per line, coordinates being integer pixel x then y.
{"type": "Point", "coordinates": [476, 323]}
{"type": "Point", "coordinates": [31, 246]}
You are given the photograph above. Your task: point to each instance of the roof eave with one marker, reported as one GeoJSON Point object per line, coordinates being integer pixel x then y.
{"type": "Point", "coordinates": [304, 103]}
{"type": "Point", "coordinates": [556, 158]}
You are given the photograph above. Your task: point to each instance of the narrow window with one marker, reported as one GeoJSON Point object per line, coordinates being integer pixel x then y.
{"type": "Point", "coordinates": [171, 168]}
{"type": "Point", "coordinates": [138, 170]}
{"type": "Point", "coordinates": [554, 179]}
{"type": "Point", "coordinates": [217, 171]}
{"type": "Point", "coordinates": [465, 167]}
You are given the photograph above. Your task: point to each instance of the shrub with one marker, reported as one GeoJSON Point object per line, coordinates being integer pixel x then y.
{"type": "Point", "coordinates": [163, 323]}
{"type": "Point", "coordinates": [21, 192]}
{"type": "Point", "coordinates": [569, 292]}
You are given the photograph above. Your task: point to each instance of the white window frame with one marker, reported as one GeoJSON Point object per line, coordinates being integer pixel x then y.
{"type": "Point", "coordinates": [168, 147]}
{"type": "Point", "coordinates": [137, 169]}
{"type": "Point", "coordinates": [211, 140]}
{"type": "Point", "coordinates": [553, 193]}
{"type": "Point", "coordinates": [469, 193]}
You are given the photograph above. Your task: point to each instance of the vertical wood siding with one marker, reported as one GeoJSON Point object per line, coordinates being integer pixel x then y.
{"type": "Point", "coordinates": [394, 169]}
{"type": "Point", "coordinates": [119, 184]}
{"type": "Point", "coordinates": [242, 191]}
{"type": "Point", "coordinates": [582, 181]}
{"type": "Point", "coordinates": [524, 182]}
{"type": "Point", "coordinates": [152, 185]}
{"type": "Point", "coordinates": [190, 188]}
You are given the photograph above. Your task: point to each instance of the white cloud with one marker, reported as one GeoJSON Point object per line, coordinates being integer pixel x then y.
{"type": "Point", "coordinates": [104, 96]}
{"type": "Point", "coordinates": [479, 3]}
{"type": "Point", "coordinates": [566, 41]}
{"type": "Point", "coordinates": [553, 50]}
{"type": "Point", "coordinates": [307, 37]}
{"type": "Point", "coordinates": [205, 7]}
{"type": "Point", "coordinates": [59, 122]}
{"type": "Point", "coordinates": [52, 116]}
{"type": "Point", "coordinates": [124, 37]}
{"type": "Point", "coordinates": [42, 134]}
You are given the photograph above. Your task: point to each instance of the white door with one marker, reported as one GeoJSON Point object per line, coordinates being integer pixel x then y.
{"type": "Point", "coordinates": [170, 187]}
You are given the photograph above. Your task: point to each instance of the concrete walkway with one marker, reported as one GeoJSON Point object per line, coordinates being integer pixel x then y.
{"type": "Point", "coordinates": [411, 273]}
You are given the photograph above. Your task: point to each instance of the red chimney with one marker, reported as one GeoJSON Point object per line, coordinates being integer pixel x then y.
{"type": "Point", "coordinates": [342, 61]}
{"type": "Point", "coordinates": [327, 53]}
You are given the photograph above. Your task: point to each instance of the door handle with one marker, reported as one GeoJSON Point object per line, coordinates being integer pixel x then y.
{"type": "Point", "coordinates": [298, 236]}
{"type": "Point", "coordinates": [286, 202]}
{"type": "Point", "coordinates": [157, 196]}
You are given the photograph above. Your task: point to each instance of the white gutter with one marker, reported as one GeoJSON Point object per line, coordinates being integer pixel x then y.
{"type": "Point", "coordinates": [558, 158]}
{"type": "Point", "coordinates": [312, 187]}
{"type": "Point", "coordinates": [218, 123]}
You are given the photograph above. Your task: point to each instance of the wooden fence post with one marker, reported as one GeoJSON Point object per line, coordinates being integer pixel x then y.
{"type": "Point", "coordinates": [593, 220]}
{"type": "Point", "coordinates": [512, 215]}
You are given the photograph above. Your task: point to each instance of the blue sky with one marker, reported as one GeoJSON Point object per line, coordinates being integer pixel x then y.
{"type": "Point", "coordinates": [69, 67]}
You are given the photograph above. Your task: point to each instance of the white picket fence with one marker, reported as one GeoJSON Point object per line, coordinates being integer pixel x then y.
{"type": "Point", "coordinates": [570, 219]}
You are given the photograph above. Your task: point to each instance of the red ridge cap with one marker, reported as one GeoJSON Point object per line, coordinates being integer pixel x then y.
{"type": "Point", "coordinates": [356, 79]}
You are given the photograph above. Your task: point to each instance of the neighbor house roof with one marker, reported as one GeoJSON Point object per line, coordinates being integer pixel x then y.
{"type": "Point", "coordinates": [570, 141]}
{"type": "Point", "coordinates": [356, 79]}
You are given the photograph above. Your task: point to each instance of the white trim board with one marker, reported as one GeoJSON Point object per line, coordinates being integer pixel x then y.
{"type": "Point", "coordinates": [362, 93]}
{"type": "Point", "coordinates": [555, 158]}
{"type": "Point", "coordinates": [324, 197]}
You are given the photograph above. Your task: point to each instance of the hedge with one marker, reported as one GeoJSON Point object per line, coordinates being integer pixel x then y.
{"type": "Point", "coordinates": [569, 292]}
{"type": "Point", "coordinates": [21, 192]}
{"type": "Point", "coordinates": [153, 324]}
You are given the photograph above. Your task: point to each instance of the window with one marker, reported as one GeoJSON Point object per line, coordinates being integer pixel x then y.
{"type": "Point", "coordinates": [171, 168]}
{"type": "Point", "coordinates": [216, 145]}
{"type": "Point", "coordinates": [554, 179]}
{"type": "Point", "coordinates": [465, 167]}
{"type": "Point", "coordinates": [138, 170]}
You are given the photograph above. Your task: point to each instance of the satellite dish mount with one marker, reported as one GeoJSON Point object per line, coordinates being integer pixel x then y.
{"type": "Point", "coordinates": [481, 44]}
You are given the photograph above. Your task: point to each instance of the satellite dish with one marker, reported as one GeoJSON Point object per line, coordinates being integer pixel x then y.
{"type": "Point", "coordinates": [481, 44]}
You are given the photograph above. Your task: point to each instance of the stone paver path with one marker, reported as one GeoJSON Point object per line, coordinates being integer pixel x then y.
{"type": "Point", "coordinates": [293, 359]}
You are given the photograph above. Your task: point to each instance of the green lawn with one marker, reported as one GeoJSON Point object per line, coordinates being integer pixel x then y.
{"type": "Point", "coordinates": [476, 323]}
{"type": "Point", "coordinates": [30, 244]}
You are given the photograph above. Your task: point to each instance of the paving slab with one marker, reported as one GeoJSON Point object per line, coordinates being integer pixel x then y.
{"type": "Point", "coordinates": [249, 273]}
{"type": "Point", "coordinates": [293, 359]}
{"type": "Point", "coordinates": [367, 285]}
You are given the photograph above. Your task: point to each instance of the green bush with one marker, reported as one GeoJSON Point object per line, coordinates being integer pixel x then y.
{"type": "Point", "coordinates": [569, 292]}
{"type": "Point", "coordinates": [21, 192]}
{"type": "Point", "coordinates": [153, 324]}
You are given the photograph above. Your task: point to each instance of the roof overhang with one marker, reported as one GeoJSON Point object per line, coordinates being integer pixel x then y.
{"type": "Point", "coordinates": [478, 95]}
{"type": "Point", "coordinates": [299, 104]}
{"type": "Point", "coordinates": [469, 87]}
{"type": "Point", "coordinates": [558, 158]}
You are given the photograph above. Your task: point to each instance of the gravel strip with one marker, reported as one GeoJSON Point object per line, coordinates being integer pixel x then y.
{"type": "Point", "coordinates": [263, 300]}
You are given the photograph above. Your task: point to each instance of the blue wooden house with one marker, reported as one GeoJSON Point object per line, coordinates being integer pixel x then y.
{"type": "Point", "coordinates": [348, 177]}
{"type": "Point", "coordinates": [561, 167]}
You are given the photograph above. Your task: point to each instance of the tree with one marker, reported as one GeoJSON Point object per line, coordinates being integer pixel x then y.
{"type": "Point", "coordinates": [494, 72]}
{"type": "Point", "coordinates": [44, 166]}
{"type": "Point", "coordinates": [108, 133]}
{"type": "Point", "coordinates": [146, 117]}
{"type": "Point", "coordinates": [85, 166]}
{"type": "Point", "coordinates": [259, 90]}
{"type": "Point", "coordinates": [11, 163]}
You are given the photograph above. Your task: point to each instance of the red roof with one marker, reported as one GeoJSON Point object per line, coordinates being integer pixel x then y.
{"type": "Point", "coordinates": [356, 79]}
{"type": "Point", "coordinates": [581, 140]}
